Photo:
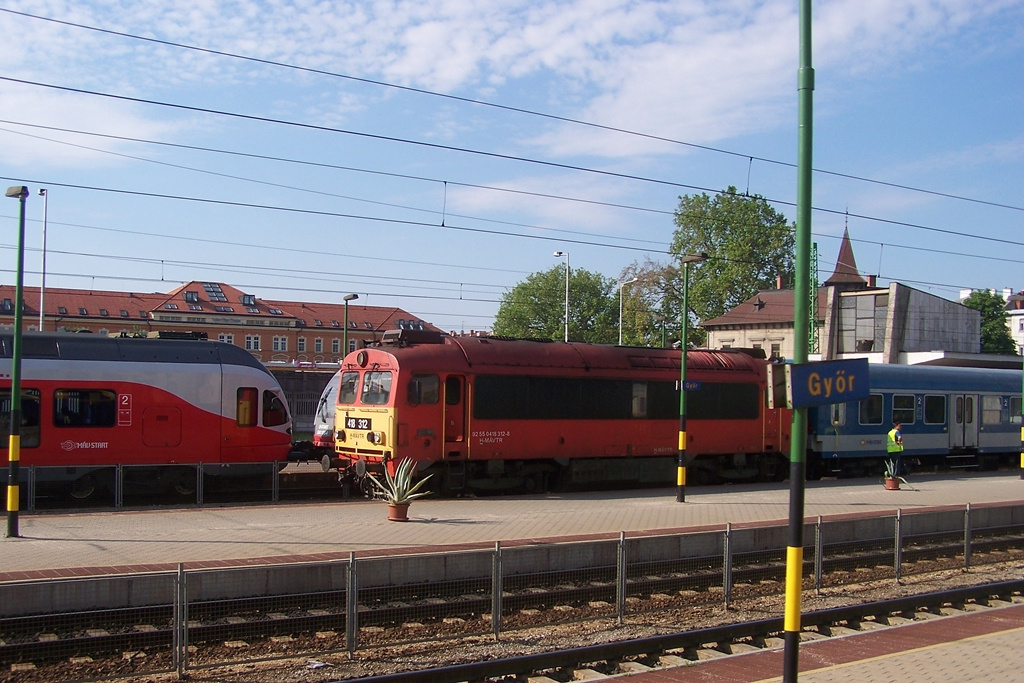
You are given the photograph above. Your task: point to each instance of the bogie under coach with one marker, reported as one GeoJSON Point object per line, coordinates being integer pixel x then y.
{"type": "Point", "coordinates": [92, 403]}
{"type": "Point", "coordinates": [493, 414]}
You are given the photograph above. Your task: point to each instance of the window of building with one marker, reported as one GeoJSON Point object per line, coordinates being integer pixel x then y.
{"type": "Point", "coordinates": [280, 343]}
{"type": "Point", "coordinates": [103, 331]}
{"type": "Point", "coordinates": [252, 342]}
{"type": "Point", "coordinates": [276, 311]}
{"type": "Point", "coordinates": [318, 345]}
{"type": "Point", "coordinates": [351, 345]}
{"type": "Point", "coordinates": [226, 338]}
{"type": "Point", "coordinates": [124, 313]}
{"type": "Point", "coordinates": [103, 312]}
{"type": "Point", "coordinates": [62, 311]}
{"type": "Point", "coordinates": [335, 346]}
{"type": "Point", "coordinates": [83, 311]}
{"type": "Point", "coordinates": [191, 297]}
{"type": "Point", "coordinates": [248, 300]}
{"type": "Point", "coordinates": [368, 326]}
{"type": "Point", "coordinates": [195, 307]}
{"type": "Point", "coordinates": [335, 323]}
{"type": "Point", "coordinates": [300, 344]}
{"type": "Point", "coordinates": [144, 315]}
{"type": "Point", "coordinates": [225, 309]}
{"type": "Point", "coordinates": [171, 306]}
{"type": "Point", "coordinates": [214, 292]}
{"type": "Point", "coordinates": [8, 306]}
{"type": "Point", "coordinates": [252, 310]}
{"type": "Point", "coordinates": [318, 323]}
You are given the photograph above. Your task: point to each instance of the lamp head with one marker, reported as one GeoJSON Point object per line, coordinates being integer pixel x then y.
{"type": "Point", "coordinates": [17, 191]}
{"type": "Point", "coordinates": [42, 191]}
{"type": "Point", "coordinates": [558, 254]}
{"type": "Point", "coordinates": [350, 297]}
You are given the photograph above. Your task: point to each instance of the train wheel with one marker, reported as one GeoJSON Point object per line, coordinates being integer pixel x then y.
{"type": "Point", "coordinates": [83, 487]}
{"type": "Point", "coordinates": [183, 484]}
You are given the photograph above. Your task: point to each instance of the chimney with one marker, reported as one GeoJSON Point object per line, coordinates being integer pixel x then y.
{"type": "Point", "coordinates": [871, 280]}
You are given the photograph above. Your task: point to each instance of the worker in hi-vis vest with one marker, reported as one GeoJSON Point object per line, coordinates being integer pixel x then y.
{"type": "Point", "coordinates": [894, 447]}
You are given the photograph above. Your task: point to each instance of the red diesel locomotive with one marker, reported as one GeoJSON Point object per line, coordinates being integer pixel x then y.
{"type": "Point", "coordinates": [494, 414]}
{"type": "Point", "coordinates": [95, 402]}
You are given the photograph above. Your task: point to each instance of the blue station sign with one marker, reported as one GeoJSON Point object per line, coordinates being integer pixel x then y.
{"type": "Point", "coordinates": [821, 383]}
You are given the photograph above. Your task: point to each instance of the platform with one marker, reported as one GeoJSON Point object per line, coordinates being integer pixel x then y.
{"type": "Point", "coordinates": [88, 543]}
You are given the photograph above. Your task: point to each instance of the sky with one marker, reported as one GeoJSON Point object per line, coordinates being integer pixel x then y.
{"type": "Point", "coordinates": [431, 155]}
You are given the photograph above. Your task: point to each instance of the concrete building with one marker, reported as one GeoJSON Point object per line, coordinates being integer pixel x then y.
{"type": "Point", "coordinates": [856, 319]}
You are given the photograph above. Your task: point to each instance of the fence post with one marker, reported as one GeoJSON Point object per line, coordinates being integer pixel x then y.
{"type": "Point", "coordinates": [967, 538]}
{"type": "Point", "coordinates": [275, 485]}
{"type": "Point", "coordinates": [818, 551]}
{"type": "Point", "coordinates": [727, 565]}
{"type": "Point", "coordinates": [496, 591]}
{"type": "Point", "coordinates": [32, 488]}
{"type": "Point", "coordinates": [898, 541]}
{"type": "Point", "coordinates": [199, 484]}
{"type": "Point", "coordinates": [620, 579]}
{"type": "Point", "coordinates": [118, 486]}
{"type": "Point", "coordinates": [352, 607]}
{"type": "Point", "coordinates": [179, 636]}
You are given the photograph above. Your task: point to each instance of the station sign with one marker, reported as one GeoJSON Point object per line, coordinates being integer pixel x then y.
{"type": "Point", "coordinates": [813, 384]}
{"type": "Point", "coordinates": [691, 385]}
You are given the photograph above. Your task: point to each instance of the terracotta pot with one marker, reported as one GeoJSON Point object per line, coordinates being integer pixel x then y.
{"type": "Point", "coordinates": [892, 484]}
{"type": "Point", "coordinates": [398, 513]}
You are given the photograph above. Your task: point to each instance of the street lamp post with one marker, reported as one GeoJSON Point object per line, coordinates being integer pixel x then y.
{"type": "Point", "coordinates": [560, 254]}
{"type": "Point", "coordinates": [686, 260]}
{"type": "Point", "coordinates": [344, 335]}
{"type": "Point", "coordinates": [14, 446]}
{"type": "Point", "coordinates": [42, 282]}
{"type": "Point", "coordinates": [621, 285]}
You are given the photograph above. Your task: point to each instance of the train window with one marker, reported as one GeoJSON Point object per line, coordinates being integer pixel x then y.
{"type": "Point", "coordinates": [991, 410]}
{"type": "Point", "coordinates": [348, 388]}
{"type": "Point", "coordinates": [837, 414]}
{"type": "Point", "coordinates": [84, 407]}
{"type": "Point", "coordinates": [246, 409]}
{"type": "Point", "coordinates": [1015, 408]}
{"type": "Point", "coordinates": [871, 410]}
{"type": "Point", "coordinates": [903, 408]}
{"type": "Point", "coordinates": [724, 401]}
{"type": "Point", "coordinates": [934, 410]}
{"type": "Point", "coordinates": [376, 387]}
{"type": "Point", "coordinates": [453, 391]}
{"type": "Point", "coordinates": [274, 412]}
{"type": "Point", "coordinates": [29, 416]}
{"type": "Point", "coordinates": [424, 389]}
{"type": "Point", "coordinates": [639, 399]}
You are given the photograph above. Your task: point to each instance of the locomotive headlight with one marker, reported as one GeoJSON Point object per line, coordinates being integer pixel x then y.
{"type": "Point", "coordinates": [375, 437]}
{"type": "Point", "coordinates": [340, 436]}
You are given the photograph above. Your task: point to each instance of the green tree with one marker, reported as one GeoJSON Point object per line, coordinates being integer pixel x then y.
{"type": "Point", "coordinates": [749, 244]}
{"type": "Point", "coordinates": [536, 307]}
{"type": "Point", "coordinates": [995, 333]}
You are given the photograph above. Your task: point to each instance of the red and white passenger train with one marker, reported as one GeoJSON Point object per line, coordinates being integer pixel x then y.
{"type": "Point", "coordinates": [91, 401]}
{"type": "Point", "coordinates": [487, 413]}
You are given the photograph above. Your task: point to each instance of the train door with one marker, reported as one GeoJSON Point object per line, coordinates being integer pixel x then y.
{"type": "Point", "coordinates": [455, 415]}
{"type": "Point", "coordinates": [963, 429]}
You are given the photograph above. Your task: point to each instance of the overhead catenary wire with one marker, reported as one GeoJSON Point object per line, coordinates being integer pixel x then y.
{"type": "Point", "coordinates": [479, 102]}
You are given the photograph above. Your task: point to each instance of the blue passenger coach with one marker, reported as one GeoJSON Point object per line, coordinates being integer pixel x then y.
{"type": "Point", "coordinates": [951, 417]}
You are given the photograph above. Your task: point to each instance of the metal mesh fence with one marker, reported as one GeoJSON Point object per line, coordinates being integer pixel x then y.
{"type": "Point", "coordinates": [857, 553]}
{"type": "Point", "coordinates": [680, 580]}
{"type": "Point", "coordinates": [95, 628]}
{"type": "Point", "coordinates": [394, 610]}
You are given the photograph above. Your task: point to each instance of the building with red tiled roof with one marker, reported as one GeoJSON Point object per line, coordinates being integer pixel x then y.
{"type": "Point", "coordinates": [278, 333]}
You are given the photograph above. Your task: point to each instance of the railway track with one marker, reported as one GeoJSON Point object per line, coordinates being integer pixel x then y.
{"type": "Point", "coordinates": [609, 658]}
{"type": "Point", "coordinates": [439, 607]}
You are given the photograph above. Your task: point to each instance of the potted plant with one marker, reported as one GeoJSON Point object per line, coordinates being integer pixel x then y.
{"type": "Point", "coordinates": [398, 489]}
{"type": "Point", "coordinates": [892, 480]}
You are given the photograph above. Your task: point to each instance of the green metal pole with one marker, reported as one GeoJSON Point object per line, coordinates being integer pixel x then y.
{"type": "Point", "coordinates": [801, 324]}
{"type": "Point", "coordinates": [681, 458]}
{"type": "Point", "coordinates": [14, 445]}
{"type": "Point", "coordinates": [1022, 415]}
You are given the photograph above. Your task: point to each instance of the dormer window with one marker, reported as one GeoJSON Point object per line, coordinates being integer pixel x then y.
{"type": "Point", "coordinates": [62, 311]}
{"type": "Point", "coordinates": [103, 312]}
{"type": "Point", "coordinates": [124, 313]}
{"type": "Point", "coordinates": [252, 310]}
{"type": "Point", "coordinates": [276, 311]}
{"type": "Point", "coordinates": [318, 323]}
{"type": "Point", "coordinates": [335, 323]}
{"type": "Point", "coordinates": [170, 306]}
{"type": "Point", "coordinates": [8, 305]}
{"type": "Point", "coordinates": [248, 299]}
{"type": "Point", "coordinates": [192, 297]}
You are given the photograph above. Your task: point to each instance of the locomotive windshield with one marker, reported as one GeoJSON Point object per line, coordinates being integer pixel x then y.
{"type": "Point", "coordinates": [348, 388]}
{"type": "Point", "coordinates": [376, 387]}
